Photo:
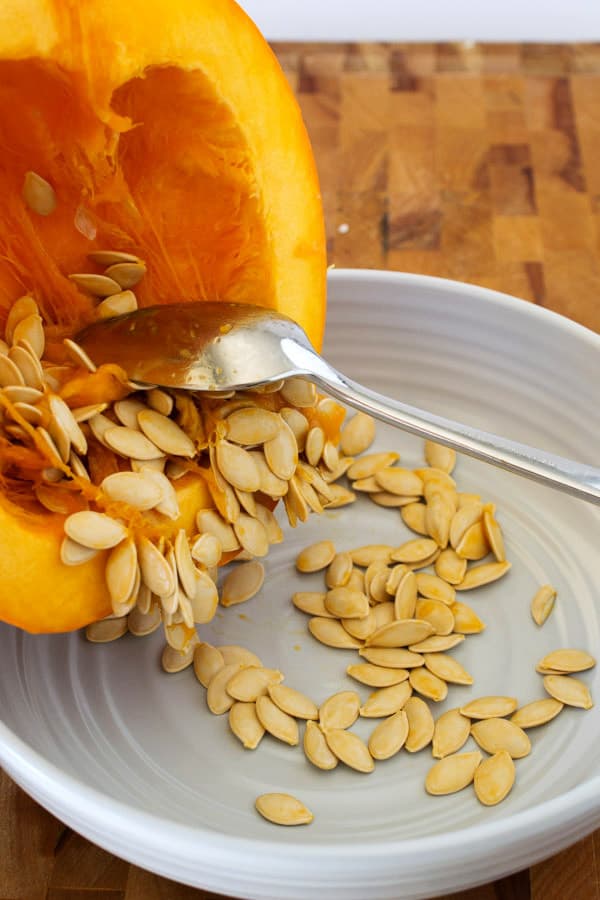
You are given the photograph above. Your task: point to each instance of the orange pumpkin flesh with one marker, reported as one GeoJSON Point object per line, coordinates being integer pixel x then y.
{"type": "Point", "coordinates": [167, 129]}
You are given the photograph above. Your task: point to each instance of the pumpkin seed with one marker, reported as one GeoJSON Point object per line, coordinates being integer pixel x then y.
{"type": "Point", "coordinates": [437, 479]}
{"type": "Point", "coordinates": [389, 736]}
{"type": "Point", "coordinates": [292, 702]}
{"type": "Point", "coordinates": [269, 523]}
{"type": "Point", "coordinates": [171, 439]}
{"type": "Point", "coordinates": [356, 580]}
{"type": "Point", "coordinates": [208, 660]}
{"type": "Point", "coordinates": [315, 557]}
{"type": "Point", "coordinates": [370, 553]}
{"type": "Point", "coordinates": [339, 570]}
{"type": "Point", "coordinates": [350, 750]}
{"type": "Point", "coordinates": [126, 274]}
{"type": "Point", "coordinates": [452, 773]}
{"type": "Point", "coordinates": [420, 724]}
{"type": "Point", "coordinates": [95, 530]}
{"type": "Point", "coordinates": [539, 712]}
{"type": "Point", "coordinates": [565, 662]}
{"type": "Point", "coordinates": [49, 448]}
{"type": "Point", "coordinates": [467, 514]}
{"type": "Point", "coordinates": [74, 554]}
{"type": "Point", "coordinates": [437, 614]}
{"type": "Point", "coordinates": [38, 194]}
{"type": "Point", "coordinates": [129, 443]}
{"type": "Point", "coordinates": [316, 748]}
{"type": "Point", "coordinates": [251, 534]}
{"type": "Point", "coordinates": [568, 690]}
{"type": "Point", "coordinates": [283, 809]}
{"type": "Point", "coordinates": [31, 414]}
{"type": "Point", "coordinates": [299, 392]}
{"type": "Point", "coordinates": [427, 684]}
{"type": "Point", "coordinates": [132, 488]}
{"type": "Point", "coordinates": [315, 444]}
{"type": "Point", "coordinates": [542, 603]}
{"type": "Point", "coordinates": [493, 533]}
{"type": "Point", "coordinates": [450, 733]}
{"type": "Point", "coordinates": [450, 567]}
{"type": "Point", "coordinates": [331, 456]}
{"type": "Point", "coordinates": [110, 257]}
{"type": "Point", "coordinates": [117, 305]}
{"type": "Point", "coordinates": [281, 452]}
{"type": "Point", "coordinates": [366, 485]}
{"type": "Point", "coordinates": [31, 331]}
{"type": "Point", "coordinates": [413, 516]}
{"type": "Point", "coordinates": [10, 374]}
{"type": "Point", "coordinates": [473, 545]}
{"type": "Point", "coordinates": [177, 660]}
{"type": "Point", "coordinates": [205, 599]}
{"type": "Point", "coordinates": [435, 588]}
{"type": "Point", "coordinates": [277, 722]}
{"type": "Point", "coordinates": [121, 571]}
{"type": "Point", "coordinates": [358, 434]}
{"type": "Point", "coordinates": [234, 653]}
{"type": "Point", "coordinates": [376, 676]}
{"type": "Point", "coordinates": [341, 710]}
{"type": "Point", "coordinates": [492, 707]}
{"type": "Point", "coordinates": [391, 657]}
{"type": "Point", "coordinates": [78, 355]}
{"type": "Point", "coordinates": [245, 724]}
{"type": "Point", "coordinates": [387, 700]}
{"type": "Point", "coordinates": [332, 633]}
{"type": "Point", "coordinates": [295, 499]}
{"type": "Point", "coordinates": [395, 576]}
{"type": "Point", "coordinates": [399, 481]}
{"type": "Point", "coordinates": [343, 602]}
{"type": "Point", "coordinates": [156, 571]}
{"type": "Point", "coordinates": [384, 614]}
{"type": "Point", "coordinates": [405, 601]}
{"type": "Point", "coordinates": [252, 425]}
{"type": "Point", "coordinates": [217, 698]}
{"type": "Point", "coordinates": [168, 504]}
{"type": "Point", "coordinates": [208, 521]}
{"type": "Point", "coordinates": [22, 394]}
{"type": "Point", "coordinates": [98, 285]}
{"type": "Point", "coordinates": [494, 735]}
{"type": "Point", "coordinates": [21, 308]}
{"type": "Point", "coordinates": [368, 465]}
{"type": "Point", "coordinates": [414, 551]}
{"type": "Point", "coordinates": [298, 423]}
{"type": "Point", "coordinates": [142, 623]}
{"type": "Point", "coordinates": [340, 496]}
{"type": "Point", "coordinates": [400, 633]}
{"type": "Point", "coordinates": [186, 569]}
{"type": "Point", "coordinates": [494, 778]}
{"type": "Point", "coordinates": [361, 628]}
{"type": "Point", "coordinates": [438, 516]}
{"type": "Point", "coordinates": [252, 682]}
{"type": "Point", "coordinates": [242, 583]}
{"type": "Point", "coordinates": [465, 619]}
{"type": "Point", "coordinates": [484, 574]}
{"type": "Point", "coordinates": [28, 364]}
{"type": "Point", "coordinates": [313, 603]}
{"type": "Point", "coordinates": [127, 411]}
{"type": "Point", "coordinates": [106, 630]}
{"type": "Point", "coordinates": [447, 668]}
{"type": "Point", "coordinates": [57, 500]}
{"type": "Point", "coordinates": [440, 457]}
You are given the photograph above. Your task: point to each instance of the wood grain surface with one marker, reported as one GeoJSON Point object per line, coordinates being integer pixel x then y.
{"type": "Point", "coordinates": [480, 163]}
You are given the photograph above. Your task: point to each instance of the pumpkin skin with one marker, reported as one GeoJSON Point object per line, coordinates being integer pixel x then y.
{"type": "Point", "coordinates": [167, 129]}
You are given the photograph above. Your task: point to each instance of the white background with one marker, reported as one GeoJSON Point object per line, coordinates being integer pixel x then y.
{"type": "Point", "coordinates": [427, 20]}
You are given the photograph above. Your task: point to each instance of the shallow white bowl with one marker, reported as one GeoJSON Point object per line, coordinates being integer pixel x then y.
{"type": "Point", "coordinates": [132, 758]}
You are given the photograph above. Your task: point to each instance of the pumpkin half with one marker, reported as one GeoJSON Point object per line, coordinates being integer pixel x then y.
{"type": "Point", "coordinates": [167, 129]}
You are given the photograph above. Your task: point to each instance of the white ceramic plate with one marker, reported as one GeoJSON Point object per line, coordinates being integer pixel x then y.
{"type": "Point", "coordinates": [132, 758]}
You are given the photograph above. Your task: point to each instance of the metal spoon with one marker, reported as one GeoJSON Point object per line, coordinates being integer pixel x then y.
{"type": "Point", "coordinates": [225, 346]}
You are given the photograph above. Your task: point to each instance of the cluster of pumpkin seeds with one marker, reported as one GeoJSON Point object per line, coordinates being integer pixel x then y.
{"type": "Point", "coordinates": [110, 467]}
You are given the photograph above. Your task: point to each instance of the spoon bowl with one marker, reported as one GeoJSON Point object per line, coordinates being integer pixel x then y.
{"type": "Point", "coordinates": [221, 347]}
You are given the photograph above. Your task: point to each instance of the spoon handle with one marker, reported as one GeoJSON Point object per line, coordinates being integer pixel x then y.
{"type": "Point", "coordinates": [556, 471]}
